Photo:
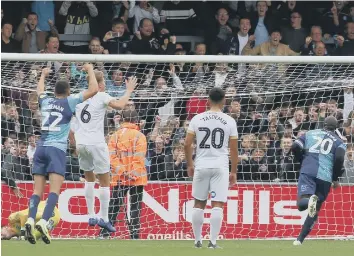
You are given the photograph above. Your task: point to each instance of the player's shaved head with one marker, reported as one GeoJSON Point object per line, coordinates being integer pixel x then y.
{"type": "Point", "coordinates": [130, 116]}
{"type": "Point", "coordinates": [330, 123]}
{"type": "Point", "coordinates": [216, 95]}
{"type": "Point", "coordinates": [62, 88]}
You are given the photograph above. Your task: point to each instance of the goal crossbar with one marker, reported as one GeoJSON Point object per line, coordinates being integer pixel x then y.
{"type": "Point", "coordinates": [177, 58]}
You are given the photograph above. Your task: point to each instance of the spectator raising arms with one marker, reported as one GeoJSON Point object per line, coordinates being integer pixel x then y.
{"type": "Point", "coordinates": [31, 36]}
{"type": "Point", "coordinates": [77, 22]}
{"type": "Point", "coordinates": [144, 10]}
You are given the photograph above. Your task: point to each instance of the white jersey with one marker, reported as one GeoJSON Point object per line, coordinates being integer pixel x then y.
{"type": "Point", "coordinates": [89, 127]}
{"type": "Point", "coordinates": [213, 131]}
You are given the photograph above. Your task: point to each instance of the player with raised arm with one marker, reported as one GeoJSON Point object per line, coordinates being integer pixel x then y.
{"type": "Point", "coordinates": [322, 154]}
{"type": "Point", "coordinates": [50, 156]}
{"type": "Point", "coordinates": [215, 132]}
{"type": "Point", "coordinates": [92, 148]}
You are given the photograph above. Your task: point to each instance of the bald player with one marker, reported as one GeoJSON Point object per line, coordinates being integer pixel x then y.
{"type": "Point", "coordinates": [17, 220]}
{"type": "Point", "coordinates": [322, 153]}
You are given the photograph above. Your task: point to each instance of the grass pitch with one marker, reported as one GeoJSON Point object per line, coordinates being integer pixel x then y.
{"type": "Point", "coordinates": [175, 248]}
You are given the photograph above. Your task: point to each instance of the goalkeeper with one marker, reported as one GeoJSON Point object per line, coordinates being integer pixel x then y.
{"type": "Point", "coordinates": [17, 220]}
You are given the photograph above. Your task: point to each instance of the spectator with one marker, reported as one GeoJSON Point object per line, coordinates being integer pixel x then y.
{"type": "Point", "coordinates": [287, 169]}
{"type": "Point", "coordinates": [156, 157]}
{"type": "Point", "coordinates": [32, 115]}
{"type": "Point", "coordinates": [348, 175]}
{"type": "Point", "coordinates": [346, 46]}
{"type": "Point", "coordinates": [128, 170]}
{"type": "Point", "coordinates": [320, 49]}
{"type": "Point", "coordinates": [32, 38]}
{"type": "Point", "coordinates": [7, 43]}
{"type": "Point", "coordinates": [6, 146]}
{"type": "Point", "coordinates": [73, 172]}
{"type": "Point", "coordinates": [144, 10]}
{"type": "Point", "coordinates": [32, 140]}
{"type": "Point", "coordinates": [51, 45]}
{"type": "Point", "coordinates": [310, 42]}
{"type": "Point", "coordinates": [332, 19]}
{"type": "Point", "coordinates": [116, 86]}
{"type": "Point", "coordinates": [95, 47]}
{"type": "Point", "coordinates": [176, 165]}
{"type": "Point", "coordinates": [11, 122]}
{"type": "Point", "coordinates": [299, 122]}
{"type": "Point", "coordinates": [197, 103]}
{"type": "Point", "coordinates": [117, 41]}
{"type": "Point", "coordinates": [271, 48]}
{"type": "Point", "coordinates": [241, 118]}
{"type": "Point", "coordinates": [285, 10]}
{"type": "Point", "coordinates": [261, 23]}
{"type": "Point", "coordinates": [257, 168]}
{"type": "Point", "coordinates": [248, 143]}
{"type": "Point", "coordinates": [45, 12]}
{"type": "Point", "coordinates": [221, 31]}
{"type": "Point", "coordinates": [16, 164]}
{"type": "Point", "coordinates": [296, 35]}
{"type": "Point", "coordinates": [180, 17]}
{"type": "Point", "coordinates": [145, 42]}
{"type": "Point", "coordinates": [234, 44]}
{"type": "Point", "coordinates": [78, 19]}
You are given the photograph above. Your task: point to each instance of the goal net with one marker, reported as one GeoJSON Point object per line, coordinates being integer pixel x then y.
{"type": "Point", "coordinates": [273, 99]}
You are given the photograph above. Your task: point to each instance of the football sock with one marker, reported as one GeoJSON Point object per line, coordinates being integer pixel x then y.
{"type": "Point", "coordinates": [33, 206]}
{"type": "Point", "coordinates": [216, 217]}
{"type": "Point", "coordinates": [307, 227]}
{"type": "Point", "coordinates": [197, 223]}
{"type": "Point", "coordinates": [49, 207]}
{"type": "Point", "coordinates": [104, 202]}
{"type": "Point", "coordinates": [90, 198]}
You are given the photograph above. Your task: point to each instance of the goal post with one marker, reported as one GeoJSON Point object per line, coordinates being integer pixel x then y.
{"type": "Point", "coordinates": [273, 98]}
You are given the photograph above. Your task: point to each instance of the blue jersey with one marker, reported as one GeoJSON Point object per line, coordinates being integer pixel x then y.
{"type": "Point", "coordinates": [56, 117]}
{"type": "Point", "coordinates": [319, 153]}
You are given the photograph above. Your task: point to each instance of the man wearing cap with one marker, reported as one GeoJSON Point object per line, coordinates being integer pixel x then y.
{"type": "Point", "coordinates": [322, 154]}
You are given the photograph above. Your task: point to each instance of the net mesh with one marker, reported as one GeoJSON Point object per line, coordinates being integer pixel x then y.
{"type": "Point", "coordinates": [272, 104]}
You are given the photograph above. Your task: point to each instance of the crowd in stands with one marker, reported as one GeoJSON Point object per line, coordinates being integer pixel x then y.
{"type": "Point", "coordinates": [169, 95]}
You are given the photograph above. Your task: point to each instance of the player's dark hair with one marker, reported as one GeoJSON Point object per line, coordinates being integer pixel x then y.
{"type": "Point", "coordinates": [61, 87]}
{"type": "Point", "coordinates": [330, 123]}
{"type": "Point", "coordinates": [117, 21]}
{"type": "Point", "coordinates": [216, 95]}
{"type": "Point", "coordinates": [48, 37]}
{"type": "Point", "coordinates": [32, 13]}
{"type": "Point", "coordinates": [130, 116]}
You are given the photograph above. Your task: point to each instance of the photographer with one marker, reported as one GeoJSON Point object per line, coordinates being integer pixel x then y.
{"type": "Point", "coordinates": [117, 40]}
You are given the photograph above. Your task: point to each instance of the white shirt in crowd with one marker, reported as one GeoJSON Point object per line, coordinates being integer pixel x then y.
{"type": "Point", "coordinates": [213, 131]}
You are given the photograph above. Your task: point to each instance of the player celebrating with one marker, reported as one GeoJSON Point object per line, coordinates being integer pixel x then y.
{"type": "Point", "coordinates": [215, 132]}
{"type": "Point", "coordinates": [92, 148]}
{"type": "Point", "coordinates": [16, 226]}
{"type": "Point", "coordinates": [50, 156]}
{"type": "Point", "coordinates": [322, 154]}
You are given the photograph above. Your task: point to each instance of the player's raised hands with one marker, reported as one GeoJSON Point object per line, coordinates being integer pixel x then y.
{"type": "Point", "coordinates": [308, 41]}
{"type": "Point", "coordinates": [87, 67]}
{"type": "Point", "coordinates": [46, 72]}
{"type": "Point", "coordinates": [131, 83]}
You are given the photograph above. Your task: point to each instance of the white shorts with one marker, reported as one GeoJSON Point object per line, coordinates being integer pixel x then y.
{"type": "Point", "coordinates": [94, 158]}
{"type": "Point", "coordinates": [214, 181]}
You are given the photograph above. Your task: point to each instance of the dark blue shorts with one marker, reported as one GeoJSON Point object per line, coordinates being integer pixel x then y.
{"type": "Point", "coordinates": [309, 185]}
{"type": "Point", "coordinates": [49, 160]}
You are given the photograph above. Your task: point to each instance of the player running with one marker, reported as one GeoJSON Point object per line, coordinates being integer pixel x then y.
{"type": "Point", "coordinates": [322, 154]}
{"type": "Point", "coordinates": [16, 226]}
{"type": "Point", "coordinates": [215, 132]}
{"type": "Point", "coordinates": [92, 148]}
{"type": "Point", "coordinates": [50, 156]}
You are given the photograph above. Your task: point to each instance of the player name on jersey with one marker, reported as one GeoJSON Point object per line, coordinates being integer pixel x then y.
{"type": "Point", "coordinates": [214, 117]}
{"type": "Point", "coordinates": [53, 107]}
